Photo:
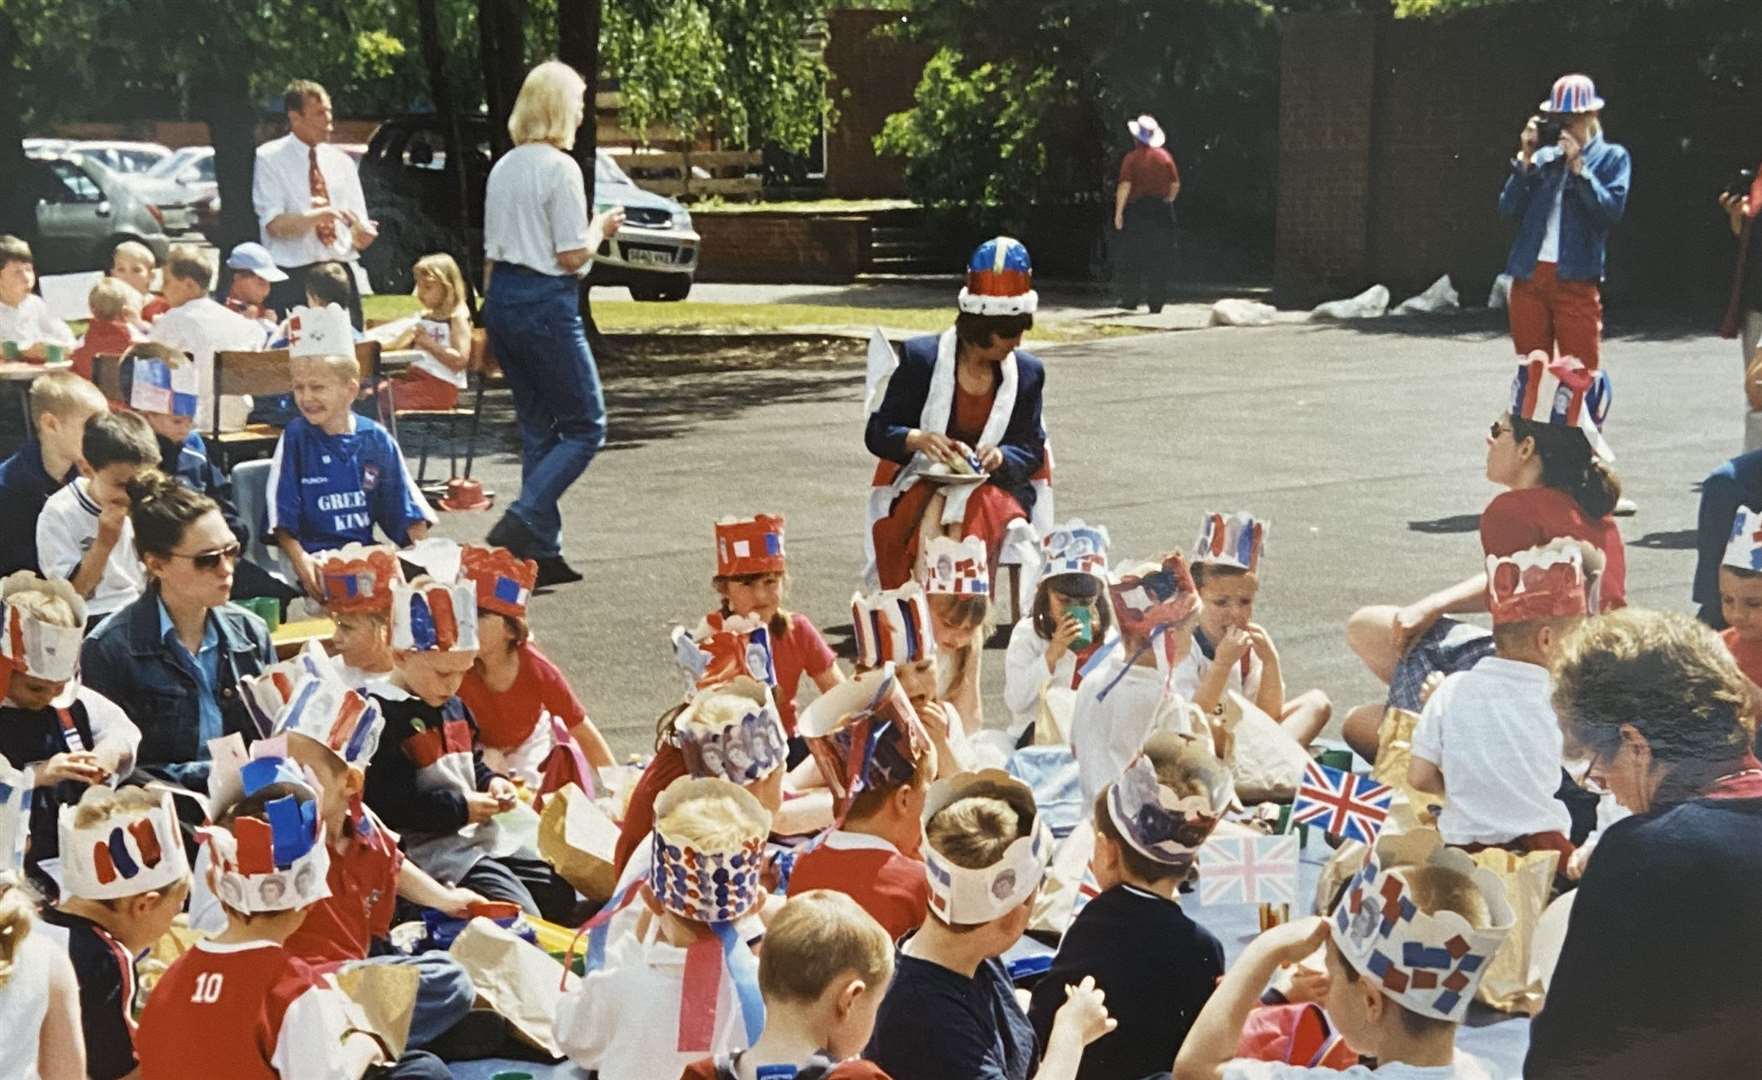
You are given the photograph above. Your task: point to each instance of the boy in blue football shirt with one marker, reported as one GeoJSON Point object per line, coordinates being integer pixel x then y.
{"type": "Point", "coordinates": [337, 474]}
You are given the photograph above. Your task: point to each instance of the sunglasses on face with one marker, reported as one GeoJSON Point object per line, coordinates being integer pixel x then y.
{"type": "Point", "coordinates": [1499, 428]}
{"type": "Point", "coordinates": [210, 560]}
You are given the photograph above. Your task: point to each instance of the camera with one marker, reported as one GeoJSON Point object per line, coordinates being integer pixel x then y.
{"type": "Point", "coordinates": [1740, 186]}
{"type": "Point", "coordinates": [1548, 129]}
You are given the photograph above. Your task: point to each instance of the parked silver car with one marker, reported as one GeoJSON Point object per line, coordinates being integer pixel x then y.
{"type": "Point", "coordinates": [84, 210]}
{"type": "Point", "coordinates": [120, 156]}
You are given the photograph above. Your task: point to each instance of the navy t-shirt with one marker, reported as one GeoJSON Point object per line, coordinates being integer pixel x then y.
{"type": "Point", "coordinates": [106, 975]}
{"type": "Point", "coordinates": [24, 488]}
{"type": "Point", "coordinates": [1157, 966]}
{"type": "Point", "coordinates": [937, 1024]}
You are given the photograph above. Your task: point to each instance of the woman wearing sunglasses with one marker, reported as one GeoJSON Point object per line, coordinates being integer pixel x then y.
{"type": "Point", "coordinates": [174, 657]}
{"type": "Point", "coordinates": [1654, 974]}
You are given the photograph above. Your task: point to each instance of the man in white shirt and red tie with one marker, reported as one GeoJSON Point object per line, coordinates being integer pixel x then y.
{"type": "Point", "coordinates": [308, 199]}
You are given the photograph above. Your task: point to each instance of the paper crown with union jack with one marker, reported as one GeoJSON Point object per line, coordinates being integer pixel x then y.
{"type": "Point", "coordinates": [965, 896]}
{"type": "Point", "coordinates": [726, 647]}
{"type": "Point", "coordinates": [1154, 594]}
{"type": "Point", "coordinates": [1541, 583]}
{"type": "Point", "coordinates": [694, 880]}
{"type": "Point", "coordinates": [504, 581]}
{"type": "Point", "coordinates": [1573, 94]}
{"type": "Point", "coordinates": [864, 735]}
{"type": "Point", "coordinates": [956, 567]}
{"type": "Point", "coordinates": [1161, 823]}
{"type": "Point", "coordinates": [34, 646]}
{"type": "Point", "coordinates": [324, 331]}
{"type": "Point", "coordinates": [278, 861]}
{"type": "Point", "coordinates": [1230, 540]}
{"type": "Point", "coordinates": [1000, 280]}
{"type": "Point", "coordinates": [434, 616]}
{"type": "Point", "coordinates": [733, 731]}
{"type": "Point", "coordinates": [16, 786]}
{"type": "Point", "coordinates": [307, 696]}
{"type": "Point", "coordinates": [158, 385]}
{"type": "Point", "coordinates": [1074, 548]}
{"type": "Point", "coordinates": [1744, 550]}
{"type": "Point", "coordinates": [892, 626]}
{"type": "Point", "coordinates": [749, 545]}
{"type": "Point", "coordinates": [357, 578]}
{"type": "Point", "coordinates": [126, 853]}
{"type": "Point", "coordinates": [1565, 393]}
{"type": "Point", "coordinates": [1432, 963]}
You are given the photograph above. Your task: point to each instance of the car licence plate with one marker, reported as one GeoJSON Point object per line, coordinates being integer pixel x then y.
{"type": "Point", "coordinates": [643, 257]}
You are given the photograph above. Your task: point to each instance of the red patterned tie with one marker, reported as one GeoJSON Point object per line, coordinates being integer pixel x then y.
{"type": "Point", "coordinates": [320, 198]}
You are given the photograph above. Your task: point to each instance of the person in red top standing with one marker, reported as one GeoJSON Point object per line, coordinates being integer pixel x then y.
{"type": "Point", "coordinates": [1144, 217]}
{"type": "Point", "coordinates": [879, 761]}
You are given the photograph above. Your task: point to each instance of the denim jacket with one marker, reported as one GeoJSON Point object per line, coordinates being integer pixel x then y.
{"type": "Point", "coordinates": [1594, 201]}
{"type": "Point", "coordinates": [128, 662]}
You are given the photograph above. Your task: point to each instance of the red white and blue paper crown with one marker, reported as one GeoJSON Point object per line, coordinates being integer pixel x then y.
{"type": "Point", "coordinates": [1744, 549]}
{"type": "Point", "coordinates": [434, 616]}
{"type": "Point", "coordinates": [1231, 540]}
{"type": "Point", "coordinates": [1429, 964]}
{"type": "Point", "coordinates": [504, 581]}
{"type": "Point", "coordinates": [1000, 280]}
{"type": "Point", "coordinates": [307, 696]}
{"type": "Point", "coordinates": [158, 386]}
{"type": "Point", "coordinates": [36, 648]}
{"type": "Point", "coordinates": [956, 567]}
{"type": "Point", "coordinates": [1160, 823]}
{"type": "Point", "coordinates": [276, 862]}
{"type": "Point", "coordinates": [1565, 393]}
{"type": "Point", "coordinates": [711, 886]}
{"type": "Point", "coordinates": [1153, 595]}
{"type": "Point", "coordinates": [962, 896]}
{"type": "Point", "coordinates": [16, 786]}
{"type": "Point", "coordinates": [749, 545]}
{"type": "Point", "coordinates": [357, 578]}
{"type": "Point", "coordinates": [892, 626]}
{"type": "Point", "coordinates": [734, 732]}
{"type": "Point", "coordinates": [864, 734]}
{"type": "Point", "coordinates": [733, 646]}
{"type": "Point", "coordinates": [1074, 548]}
{"type": "Point", "coordinates": [128, 853]}
{"type": "Point", "coordinates": [1541, 583]}
{"type": "Point", "coordinates": [1573, 94]}
{"type": "Point", "coordinates": [324, 331]}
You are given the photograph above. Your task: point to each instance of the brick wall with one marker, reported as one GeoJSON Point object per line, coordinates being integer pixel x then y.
{"type": "Point", "coordinates": [780, 247]}
{"type": "Point", "coordinates": [871, 76]}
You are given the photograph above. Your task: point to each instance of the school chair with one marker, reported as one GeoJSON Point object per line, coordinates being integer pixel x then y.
{"type": "Point", "coordinates": [480, 368]}
{"type": "Point", "coordinates": [107, 375]}
{"type": "Point", "coordinates": [263, 373]}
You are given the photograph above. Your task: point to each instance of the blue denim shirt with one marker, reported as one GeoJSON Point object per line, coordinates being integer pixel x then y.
{"type": "Point", "coordinates": [204, 667]}
{"type": "Point", "coordinates": [1594, 200]}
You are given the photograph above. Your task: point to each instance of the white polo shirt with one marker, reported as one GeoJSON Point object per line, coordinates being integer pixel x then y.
{"type": "Point", "coordinates": [282, 184]}
{"type": "Point", "coordinates": [534, 206]}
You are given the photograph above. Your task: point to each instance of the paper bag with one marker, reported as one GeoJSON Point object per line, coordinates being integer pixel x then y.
{"type": "Point", "coordinates": [578, 839]}
{"type": "Point", "coordinates": [1347, 860]}
{"type": "Point", "coordinates": [1056, 902]}
{"type": "Point", "coordinates": [1053, 726]}
{"type": "Point", "coordinates": [386, 995]}
{"type": "Point", "coordinates": [516, 979]}
{"type": "Point", "coordinates": [1265, 761]}
{"type": "Point", "coordinates": [1509, 985]}
{"type": "Point", "coordinates": [176, 941]}
{"type": "Point", "coordinates": [1412, 809]}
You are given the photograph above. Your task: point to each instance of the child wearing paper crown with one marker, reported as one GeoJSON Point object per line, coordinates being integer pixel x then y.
{"type": "Point", "coordinates": [513, 689]}
{"type": "Point", "coordinates": [958, 584]}
{"type": "Point", "coordinates": [241, 1004]}
{"type": "Point", "coordinates": [1740, 594]}
{"type": "Point", "coordinates": [355, 584]}
{"type": "Point", "coordinates": [950, 1010]}
{"type": "Point", "coordinates": [1408, 942]}
{"type": "Point", "coordinates": [750, 576]}
{"type": "Point", "coordinates": [331, 730]}
{"type": "Point", "coordinates": [893, 628]}
{"type": "Point", "coordinates": [658, 1005]}
{"type": "Point", "coordinates": [1069, 621]}
{"type": "Point", "coordinates": [1488, 739]}
{"type": "Point", "coordinates": [124, 878]}
{"type": "Point", "coordinates": [823, 970]}
{"type": "Point", "coordinates": [1155, 964]}
{"type": "Point", "coordinates": [428, 779]}
{"type": "Point", "coordinates": [1231, 651]}
{"type": "Point", "coordinates": [73, 736]}
{"type": "Point", "coordinates": [39, 994]}
{"type": "Point", "coordinates": [879, 761]}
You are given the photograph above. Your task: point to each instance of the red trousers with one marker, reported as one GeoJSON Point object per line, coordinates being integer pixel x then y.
{"type": "Point", "coordinates": [1561, 318]}
{"type": "Point", "coordinates": [990, 509]}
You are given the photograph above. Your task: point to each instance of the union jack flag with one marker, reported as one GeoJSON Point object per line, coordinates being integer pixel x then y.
{"type": "Point", "coordinates": [1344, 804]}
{"type": "Point", "coordinates": [1248, 870]}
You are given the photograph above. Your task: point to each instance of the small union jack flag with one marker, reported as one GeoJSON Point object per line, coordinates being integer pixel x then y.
{"type": "Point", "coordinates": [1344, 804]}
{"type": "Point", "coordinates": [1248, 870]}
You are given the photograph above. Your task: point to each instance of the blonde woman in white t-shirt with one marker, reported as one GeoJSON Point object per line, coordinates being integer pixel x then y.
{"type": "Point", "coordinates": [537, 239]}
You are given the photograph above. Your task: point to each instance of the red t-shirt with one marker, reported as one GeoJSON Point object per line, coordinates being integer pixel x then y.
{"type": "Point", "coordinates": [667, 766]}
{"type": "Point", "coordinates": [506, 718]}
{"type": "Point", "coordinates": [1150, 171]}
{"type": "Point", "coordinates": [1748, 654]}
{"type": "Point", "coordinates": [891, 887]}
{"type": "Point", "coordinates": [110, 337]}
{"type": "Point", "coordinates": [857, 1069]}
{"type": "Point", "coordinates": [1530, 517]}
{"type": "Point", "coordinates": [154, 307]}
{"type": "Point", "coordinates": [218, 1012]}
{"type": "Point", "coordinates": [363, 891]}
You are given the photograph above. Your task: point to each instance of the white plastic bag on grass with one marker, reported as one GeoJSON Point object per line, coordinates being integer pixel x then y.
{"type": "Point", "coordinates": [1440, 297]}
{"type": "Point", "coordinates": [1241, 313]}
{"type": "Point", "coordinates": [1369, 304]}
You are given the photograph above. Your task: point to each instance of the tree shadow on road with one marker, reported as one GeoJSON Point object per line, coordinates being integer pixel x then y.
{"type": "Point", "coordinates": [1446, 526]}
{"type": "Point", "coordinates": [1675, 540]}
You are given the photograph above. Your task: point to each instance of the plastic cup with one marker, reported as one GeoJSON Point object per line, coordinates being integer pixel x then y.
{"type": "Point", "coordinates": [267, 608]}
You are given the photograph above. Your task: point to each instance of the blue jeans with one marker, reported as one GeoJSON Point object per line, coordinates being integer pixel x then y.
{"type": "Point", "coordinates": [1736, 483]}
{"type": "Point", "coordinates": [444, 993]}
{"type": "Point", "coordinates": [535, 330]}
